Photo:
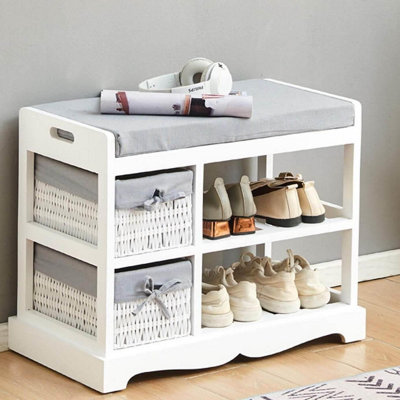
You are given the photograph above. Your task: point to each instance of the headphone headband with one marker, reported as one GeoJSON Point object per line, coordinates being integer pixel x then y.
{"type": "Point", "coordinates": [170, 83]}
{"type": "Point", "coordinates": [215, 79]}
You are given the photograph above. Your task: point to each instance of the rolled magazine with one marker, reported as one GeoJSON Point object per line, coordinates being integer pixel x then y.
{"type": "Point", "coordinates": [208, 105]}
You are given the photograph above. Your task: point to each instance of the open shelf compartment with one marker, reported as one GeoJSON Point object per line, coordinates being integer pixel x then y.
{"type": "Point", "coordinates": [334, 222]}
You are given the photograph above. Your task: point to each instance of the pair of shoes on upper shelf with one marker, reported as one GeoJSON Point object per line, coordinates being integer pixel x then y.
{"type": "Point", "coordinates": [228, 209]}
{"type": "Point", "coordinates": [280, 287]}
{"type": "Point", "coordinates": [284, 201]}
{"type": "Point", "coordinates": [287, 200]}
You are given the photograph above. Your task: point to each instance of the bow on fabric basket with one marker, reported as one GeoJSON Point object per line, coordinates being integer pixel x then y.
{"type": "Point", "coordinates": [155, 292]}
{"type": "Point", "coordinates": [159, 197]}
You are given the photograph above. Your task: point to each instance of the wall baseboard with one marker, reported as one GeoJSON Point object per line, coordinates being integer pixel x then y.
{"type": "Point", "coordinates": [371, 266]}
{"type": "Point", "coordinates": [3, 337]}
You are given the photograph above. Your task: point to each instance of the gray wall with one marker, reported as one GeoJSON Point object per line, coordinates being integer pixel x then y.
{"type": "Point", "coordinates": [54, 50]}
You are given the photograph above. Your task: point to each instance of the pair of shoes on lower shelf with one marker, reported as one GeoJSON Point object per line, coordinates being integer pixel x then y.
{"type": "Point", "coordinates": [280, 287]}
{"type": "Point", "coordinates": [287, 200]}
{"type": "Point", "coordinates": [225, 300]}
{"type": "Point", "coordinates": [283, 286]}
{"type": "Point", "coordinates": [228, 209]}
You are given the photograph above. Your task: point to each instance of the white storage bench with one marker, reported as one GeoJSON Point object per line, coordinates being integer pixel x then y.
{"type": "Point", "coordinates": [151, 303]}
{"type": "Point", "coordinates": [80, 174]}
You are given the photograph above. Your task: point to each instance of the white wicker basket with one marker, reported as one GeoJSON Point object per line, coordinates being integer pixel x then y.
{"type": "Point", "coordinates": [150, 325]}
{"type": "Point", "coordinates": [78, 309]}
{"type": "Point", "coordinates": [64, 303]}
{"type": "Point", "coordinates": [136, 231]}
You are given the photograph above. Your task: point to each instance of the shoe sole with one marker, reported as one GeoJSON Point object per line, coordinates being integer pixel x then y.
{"type": "Point", "coordinates": [285, 223]}
{"type": "Point", "coordinates": [243, 233]}
{"type": "Point", "coordinates": [247, 314]}
{"type": "Point", "coordinates": [315, 219]}
{"type": "Point", "coordinates": [316, 300]}
{"type": "Point", "coordinates": [217, 320]}
{"type": "Point", "coordinates": [216, 237]}
{"type": "Point", "coordinates": [279, 307]}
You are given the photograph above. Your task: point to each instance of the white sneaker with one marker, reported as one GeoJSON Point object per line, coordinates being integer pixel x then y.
{"type": "Point", "coordinates": [215, 309]}
{"type": "Point", "coordinates": [312, 293]}
{"type": "Point", "coordinates": [242, 296]}
{"type": "Point", "coordinates": [276, 290]}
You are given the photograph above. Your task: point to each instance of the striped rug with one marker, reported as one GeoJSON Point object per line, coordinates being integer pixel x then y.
{"type": "Point", "coordinates": [383, 384]}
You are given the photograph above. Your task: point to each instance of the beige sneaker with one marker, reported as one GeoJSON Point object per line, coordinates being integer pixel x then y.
{"type": "Point", "coordinates": [215, 309]}
{"type": "Point", "coordinates": [276, 290]}
{"type": "Point", "coordinates": [312, 293]}
{"type": "Point", "coordinates": [312, 209]}
{"type": "Point", "coordinates": [242, 296]}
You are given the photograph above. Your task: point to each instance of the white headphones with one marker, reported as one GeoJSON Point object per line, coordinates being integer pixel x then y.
{"type": "Point", "coordinates": [199, 75]}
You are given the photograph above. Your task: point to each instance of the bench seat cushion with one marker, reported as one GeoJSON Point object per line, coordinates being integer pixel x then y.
{"type": "Point", "coordinates": [278, 109]}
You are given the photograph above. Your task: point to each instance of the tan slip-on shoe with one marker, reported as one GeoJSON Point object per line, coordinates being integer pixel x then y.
{"type": "Point", "coordinates": [243, 207]}
{"type": "Point", "coordinates": [312, 293]}
{"type": "Point", "coordinates": [242, 295]}
{"type": "Point", "coordinates": [215, 308]}
{"type": "Point", "coordinates": [216, 211]}
{"type": "Point", "coordinates": [276, 290]}
{"type": "Point", "coordinates": [277, 202]}
{"type": "Point", "coordinates": [312, 208]}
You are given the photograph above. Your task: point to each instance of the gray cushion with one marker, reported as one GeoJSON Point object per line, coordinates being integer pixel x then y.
{"type": "Point", "coordinates": [277, 110]}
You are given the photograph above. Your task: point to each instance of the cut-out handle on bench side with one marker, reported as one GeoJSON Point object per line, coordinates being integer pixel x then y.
{"type": "Point", "coordinates": [62, 134]}
{"type": "Point", "coordinates": [92, 147]}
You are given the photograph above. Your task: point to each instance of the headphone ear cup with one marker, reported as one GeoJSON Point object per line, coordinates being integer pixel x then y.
{"type": "Point", "coordinates": [205, 76]}
{"type": "Point", "coordinates": [220, 78]}
{"type": "Point", "coordinates": [192, 71]}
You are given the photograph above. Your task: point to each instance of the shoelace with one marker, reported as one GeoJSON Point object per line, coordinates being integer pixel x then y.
{"type": "Point", "coordinates": [211, 274]}
{"type": "Point", "coordinates": [288, 176]}
{"type": "Point", "coordinates": [294, 265]}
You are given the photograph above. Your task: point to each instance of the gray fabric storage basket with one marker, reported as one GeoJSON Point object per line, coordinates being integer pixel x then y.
{"type": "Point", "coordinates": [151, 303]}
{"type": "Point", "coordinates": [152, 212]}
